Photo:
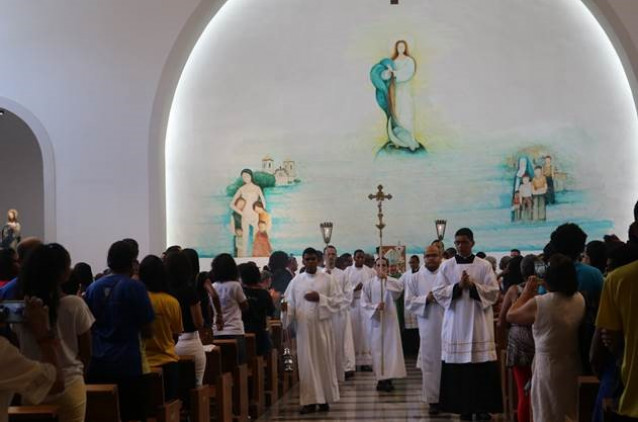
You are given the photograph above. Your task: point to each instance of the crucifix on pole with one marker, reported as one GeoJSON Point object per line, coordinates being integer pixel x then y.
{"type": "Point", "coordinates": [380, 197]}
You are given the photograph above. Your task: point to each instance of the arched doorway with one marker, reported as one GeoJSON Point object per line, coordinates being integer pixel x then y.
{"type": "Point", "coordinates": [22, 173]}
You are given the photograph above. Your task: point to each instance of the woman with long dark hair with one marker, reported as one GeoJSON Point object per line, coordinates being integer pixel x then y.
{"type": "Point", "coordinates": [179, 271]}
{"type": "Point", "coordinates": [160, 349]}
{"type": "Point", "coordinates": [45, 269]}
{"type": "Point", "coordinates": [225, 276]}
{"type": "Point", "coordinates": [556, 317]}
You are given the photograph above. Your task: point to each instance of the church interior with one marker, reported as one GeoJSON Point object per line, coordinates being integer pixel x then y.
{"type": "Point", "coordinates": [288, 210]}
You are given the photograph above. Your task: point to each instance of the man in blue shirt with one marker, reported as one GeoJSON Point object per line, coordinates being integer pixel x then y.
{"type": "Point", "coordinates": [123, 315]}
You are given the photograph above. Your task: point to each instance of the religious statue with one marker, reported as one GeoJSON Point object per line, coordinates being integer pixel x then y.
{"type": "Point", "coordinates": [391, 77]}
{"type": "Point", "coordinates": [11, 230]}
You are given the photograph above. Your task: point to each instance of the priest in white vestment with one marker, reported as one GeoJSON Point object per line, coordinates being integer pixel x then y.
{"type": "Point", "coordinates": [312, 298]}
{"type": "Point", "coordinates": [344, 352]}
{"type": "Point", "coordinates": [377, 299]}
{"type": "Point", "coordinates": [467, 288]}
{"type": "Point", "coordinates": [357, 276]}
{"type": "Point", "coordinates": [419, 300]}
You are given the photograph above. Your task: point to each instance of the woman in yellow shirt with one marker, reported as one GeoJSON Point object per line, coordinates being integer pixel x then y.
{"type": "Point", "coordinates": [167, 325]}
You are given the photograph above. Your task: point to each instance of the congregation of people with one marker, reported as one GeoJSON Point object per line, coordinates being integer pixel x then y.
{"type": "Point", "coordinates": [566, 312]}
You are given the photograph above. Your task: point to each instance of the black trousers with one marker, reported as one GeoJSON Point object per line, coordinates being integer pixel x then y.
{"type": "Point", "coordinates": [471, 388]}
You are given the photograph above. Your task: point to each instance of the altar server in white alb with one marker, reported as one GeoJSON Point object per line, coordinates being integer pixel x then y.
{"type": "Point", "coordinates": [312, 298]}
{"type": "Point", "coordinates": [358, 275]}
{"type": "Point", "coordinates": [377, 299]}
{"type": "Point", "coordinates": [344, 352]}
{"type": "Point", "coordinates": [466, 287]}
{"type": "Point", "coordinates": [419, 300]}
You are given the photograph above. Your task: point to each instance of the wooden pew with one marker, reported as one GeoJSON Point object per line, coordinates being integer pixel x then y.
{"type": "Point", "coordinates": [163, 411]}
{"type": "Point", "coordinates": [230, 363]}
{"type": "Point", "coordinates": [256, 374]}
{"type": "Point", "coordinates": [195, 399]}
{"type": "Point", "coordinates": [102, 404]}
{"type": "Point", "coordinates": [587, 392]}
{"type": "Point", "coordinates": [272, 378]}
{"type": "Point", "coordinates": [219, 384]}
{"type": "Point", "coordinates": [42, 413]}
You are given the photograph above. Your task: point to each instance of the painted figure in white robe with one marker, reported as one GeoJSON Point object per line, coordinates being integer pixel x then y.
{"type": "Point", "coordinates": [466, 287]}
{"type": "Point", "coordinates": [312, 298]}
{"type": "Point", "coordinates": [392, 79]}
{"type": "Point", "coordinates": [358, 275]}
{"type": "Point", "coordinates": [377, 299]}
{"type": "Point", "coordinates": [344, 352]}
{"type": "Point", "coordinates": [419, 300]}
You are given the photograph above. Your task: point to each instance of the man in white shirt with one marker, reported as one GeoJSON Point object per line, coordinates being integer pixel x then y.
{"type": "Point", "coordinates": [419, 300]}
{"type": "Point", "coordinates": [466, 287]}
{"type": "Point", "coordinates": [377, 299]}
{"type": "Point", "coordinates": [312, 298]}
{"type": "Point", "coordinates": [344, 352]}
{"type": "Point", "coordinates": [358, 275]}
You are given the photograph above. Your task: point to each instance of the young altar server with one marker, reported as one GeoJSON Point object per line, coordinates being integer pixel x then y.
{"type": "Point", "coordinates": [377, 299]}
{"type": "Point", "coordinates": [344, 346]}
{"type": "Point", "coordinates": [466, 287]}
{"type": "Point", "coordinates": [358, 275]}
{"type": "Point", "coordinates": [419, 300]}
{"type": "Point", "coordinates": [312, 298]}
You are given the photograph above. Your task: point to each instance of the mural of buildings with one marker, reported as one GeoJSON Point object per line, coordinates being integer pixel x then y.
{"type": "Point", "coordinates": [285, 173]}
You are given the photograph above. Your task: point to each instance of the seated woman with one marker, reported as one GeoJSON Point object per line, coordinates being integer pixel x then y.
{"type": "Point", "coordinates": [167, 325]}
{"type": "Point", "coordinates": [260, 307]}
{"type": "Point", "coordinates": [556, 318]}
{"type": "Point", "coordinates": [46, 268]}
{"type": "Point", "coordinates": [225, 276]}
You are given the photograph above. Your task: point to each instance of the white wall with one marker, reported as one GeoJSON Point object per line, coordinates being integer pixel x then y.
{"type": "Point", "coordinates": [99, 77]}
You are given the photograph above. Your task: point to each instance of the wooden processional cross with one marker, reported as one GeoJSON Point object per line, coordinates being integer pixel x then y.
{"type": "Point", "coordinates": [380, 197]}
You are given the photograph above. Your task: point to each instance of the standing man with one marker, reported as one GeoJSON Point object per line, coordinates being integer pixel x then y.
{"type": "Point", "coordinates": [312, 298]}
{"type": "Point", "coordinates": [466, 287]}
{"type": "Point", "coordinates": [358, 275]}
{"type": "Point", "coordinates": [344, 352]}
{"type": "Point", "coordinates": [410, 329]}
{"type": "Point", "coordinates": [123, 316]}
{"type": "Point", "coordinates": [419, 300]}
{"type": "Point", "coordinates": [377, 299]}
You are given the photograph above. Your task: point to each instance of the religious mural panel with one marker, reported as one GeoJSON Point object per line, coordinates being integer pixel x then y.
{"type": "Point", "coordinates": [486, 115]}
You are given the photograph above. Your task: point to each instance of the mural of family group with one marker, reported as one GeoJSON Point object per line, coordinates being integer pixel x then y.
{"type": "Point", "coordinates": [250, 222]}
{"type": "Point", "coordinates": [536, 182]}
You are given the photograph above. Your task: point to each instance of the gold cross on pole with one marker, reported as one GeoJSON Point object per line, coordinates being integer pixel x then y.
{"type": "Point", "coordinates": [380, 197]}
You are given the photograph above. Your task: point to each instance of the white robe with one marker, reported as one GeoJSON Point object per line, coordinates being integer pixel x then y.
{"type": "Point", "coordinates": [315, 339]}
{"type": "Point", "coordinates": [344, 344]}
{"type": "Point", "coordinates": [408, 317]}
{"type": "Point", "coordinates": [385, 334]}
{"type": "Point", "coordinates": [468, 324]}
{"type": "Point", "coordinates": [430, 319]}
{"type": "Point", "coordinates": [360, 323]}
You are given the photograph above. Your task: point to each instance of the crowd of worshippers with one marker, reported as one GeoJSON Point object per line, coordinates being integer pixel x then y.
{"type": "Point", "coordinates": [346, 314]}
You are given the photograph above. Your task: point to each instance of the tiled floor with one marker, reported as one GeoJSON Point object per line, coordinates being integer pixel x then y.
{"type": "Point", "coordinates": [361, 402]}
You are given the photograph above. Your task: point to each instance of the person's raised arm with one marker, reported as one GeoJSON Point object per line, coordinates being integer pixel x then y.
{"type": "Point", "coordinates": [523, 311]}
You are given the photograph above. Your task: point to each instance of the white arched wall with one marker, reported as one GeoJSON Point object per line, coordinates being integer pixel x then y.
{"type": "Point", "coordinates": [48, 162]}
{"type": "Point", "coordinates": [99, 78]}
{"type": "Point", "coordinates": [617, 41]}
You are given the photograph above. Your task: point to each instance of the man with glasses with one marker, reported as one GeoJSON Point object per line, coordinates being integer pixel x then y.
{"type": "Point", "coordinates": [420, 301]}
{"type": "Point", "coordinates": [466, 287]}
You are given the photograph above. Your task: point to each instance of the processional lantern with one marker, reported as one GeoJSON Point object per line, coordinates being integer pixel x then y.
{"type": "Point", "coordinates": [440, 228]}
{"type": "Point", "coordinates": [326, 231]}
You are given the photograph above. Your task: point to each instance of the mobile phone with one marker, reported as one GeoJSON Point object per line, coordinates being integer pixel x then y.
{"type": "Point", "coordinates": [12, 311]}
{"type": "Point", "coordinates": [540, 269]}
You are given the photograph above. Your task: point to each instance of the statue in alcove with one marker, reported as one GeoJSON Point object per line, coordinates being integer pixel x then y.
{"type": "Point", "coordinates": [11, 230]}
